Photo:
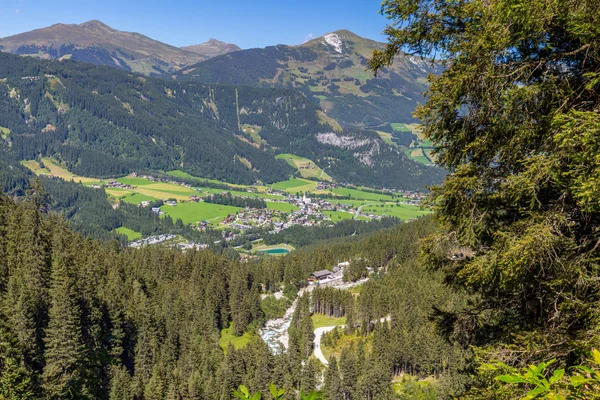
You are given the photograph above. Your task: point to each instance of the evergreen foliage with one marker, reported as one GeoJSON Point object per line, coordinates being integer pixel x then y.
{"type": "Point", "coordinates": [515, 118]}
{"type": "Point", "coordinates": [102, 122]}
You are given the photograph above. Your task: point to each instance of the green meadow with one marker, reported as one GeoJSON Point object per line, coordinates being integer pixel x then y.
{"type": "Point", "coordinates": [191, 212]}
{"type": "Point", "coordinates": [307, 168]}
{"type": "Point", "coordinates": [285, 207]}
{"type": "Point", "coordinates": [401, 211]}
{"type": "Point", "coordinates": [337, 216]}
{"type": "Point", "coordinates": [137, 198]}
{"type": "Point", "coordinates": [360, 194]}
{"type": "Point", "coordinates": [131, 234]}
{"type": "Point", "coordinates": [320, 320]}
{"type": "Point", "coordinates": [294, 185]}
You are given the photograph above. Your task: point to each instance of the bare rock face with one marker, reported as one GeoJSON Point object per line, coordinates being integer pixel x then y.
{"type": "Point", "coordinates": [344, 142]}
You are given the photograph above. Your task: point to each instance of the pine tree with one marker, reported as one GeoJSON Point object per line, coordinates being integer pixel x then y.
{"type": "Point", "coordinates": [15, 381]}
{"type": "Point", "coordinates": [308, 380]}
{"type": "Point", "coordinates": [348, 373]}
{"type": "Point", "coordinates": [64, 351]}
{"type": "Point", "coordinates": [333, 385]}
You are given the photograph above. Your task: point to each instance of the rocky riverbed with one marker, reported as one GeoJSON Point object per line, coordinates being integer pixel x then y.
{"type": "Point", "coordinates": [275, 331]}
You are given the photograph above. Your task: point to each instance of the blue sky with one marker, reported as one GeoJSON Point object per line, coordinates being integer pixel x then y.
{"type": "Point", "coordinates": [247, 23]}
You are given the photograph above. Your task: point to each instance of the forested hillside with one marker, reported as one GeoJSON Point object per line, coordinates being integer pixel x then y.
{"type": "Point", "coordinates": [103, 122]}
{"type": "Point", "coordinates": [89, 320]}
{"type": "Point", "coordinates": [331, 70]}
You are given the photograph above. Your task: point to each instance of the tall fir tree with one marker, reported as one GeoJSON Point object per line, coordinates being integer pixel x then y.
{"type": "Point", "coordinates": [64, 351]}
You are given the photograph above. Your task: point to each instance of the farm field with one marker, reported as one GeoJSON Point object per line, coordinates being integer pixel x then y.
{"type": "Point", "coordinates": [353, 203]}
{"type": "Point", "coordinates": [117, 193]}
{"type": "Point", "coordinates": [181, 174]}
{"type": "Point", "coordinates": [52, 168]}
{"type": "Point", "coordinates": [192, 212]}
{"type": "Point", "coordinates": [337, 216]}
{"type": "Point", "coordinates": [160, 190]}
{"type": "Point", "coordinates": [266, 196]}
{"type": "Point", "coordinates": [134, 181]}
{"type": "Point", "coordinates": [136, 198]}
{"type": "Point", "coordinates": [285, 207]}
{"type": "Point", "coordinates": [306, 167]}
{"type": "Point", "coordinates": [294, 185]}
{"type": "Point", "coordinates": [131, 234]}
{"type": "Point", "coordinates": [360, 194]}
{"type": "Point", "coordinates": [418, 155]}
{"type": "Point", "coordinates": [401, 211]}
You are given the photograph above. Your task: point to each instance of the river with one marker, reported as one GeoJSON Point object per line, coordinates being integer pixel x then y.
{"type": "Point", "coordinates": [275, 331]}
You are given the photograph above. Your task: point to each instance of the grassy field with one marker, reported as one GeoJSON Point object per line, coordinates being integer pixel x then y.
{"type": "Point", "coordinates": [353, 203]}
{"type": "Point", "coordinates": [134, 181]}
{"type": "Point", "coordinates": [306, 167]}
{"type": "Point", "coordinates": [337, 216]}
{"type": "Point", "coordinates": [285, 207]}
{"type": "Point", "coordinates": [160, 190]}
{"type": "Point", "coordinates": [238, 342]}
{"type": "Point", "coordinates": [360, 194]}
{"type": "Point", "coordinates": [294, 185]}
{"type": "Point", "coordinates": [118, 192]}
{"type": "Point", "coordinates": [196, 212]}
{"type": "Point", "coordinates": [131, 234]}
{"type": "Point", "coordinates": [320, 320]}
{"type": "Point", "coordinates": [418, 155]}
{"type": "Point", "coordinates": [266, 196]}
{"type": "Point", "coordinates": [136, 198]}
{"type": "Point", "coordinates": [52, 168]}
{"type": "Point", "coordinates": [254, 132]}
{"type": "Point", "coordinates": [387, 138]}
{"type": "Point", "coordinates": [179, 174]}
{"type": "Point", "coordinates": [401, 211]}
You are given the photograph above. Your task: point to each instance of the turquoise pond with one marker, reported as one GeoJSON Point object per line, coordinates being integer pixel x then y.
{"type": "Point", "coordinates": [275, 251]}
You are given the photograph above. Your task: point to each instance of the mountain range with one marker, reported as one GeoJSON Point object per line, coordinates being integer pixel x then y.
{"type": "Point", "coordinates": [99, 44]}
{"type": "Point", "coordinates": [330, 70]}
{"type": "Point", "coordinates": [148, 106]}
{"type": "Point", "coordinates": [103, 122]}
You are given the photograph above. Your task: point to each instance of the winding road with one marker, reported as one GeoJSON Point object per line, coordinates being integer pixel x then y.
{"type": "Point", "coordinates": [319, 332]}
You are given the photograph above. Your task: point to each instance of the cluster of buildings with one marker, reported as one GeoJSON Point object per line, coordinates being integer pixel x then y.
{"type": "Point", "coordinates": [152, 240]}
{"type": "Point", "coordinates": [162, 239]}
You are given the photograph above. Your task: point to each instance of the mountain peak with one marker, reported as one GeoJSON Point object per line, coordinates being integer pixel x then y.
{"type": "Point", "coordinates": [212, 48]}
{"type": "Point", "coordinates": [339, 41]}
{"type": "Point", "coordinates": [95, 42]}
{"type": "Point", "coordinates": [94, 22]}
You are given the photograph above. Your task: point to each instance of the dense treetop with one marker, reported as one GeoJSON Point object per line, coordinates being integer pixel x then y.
{"type": "Point", "coordinates": [515, 117]}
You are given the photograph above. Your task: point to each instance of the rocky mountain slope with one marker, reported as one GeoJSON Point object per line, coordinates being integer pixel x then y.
{"type": "Point", "coordinates": [99, 44]}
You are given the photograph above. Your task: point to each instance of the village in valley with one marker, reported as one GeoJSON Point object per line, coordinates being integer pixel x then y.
{"type": "Point", "coordinates": [236, 210]}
